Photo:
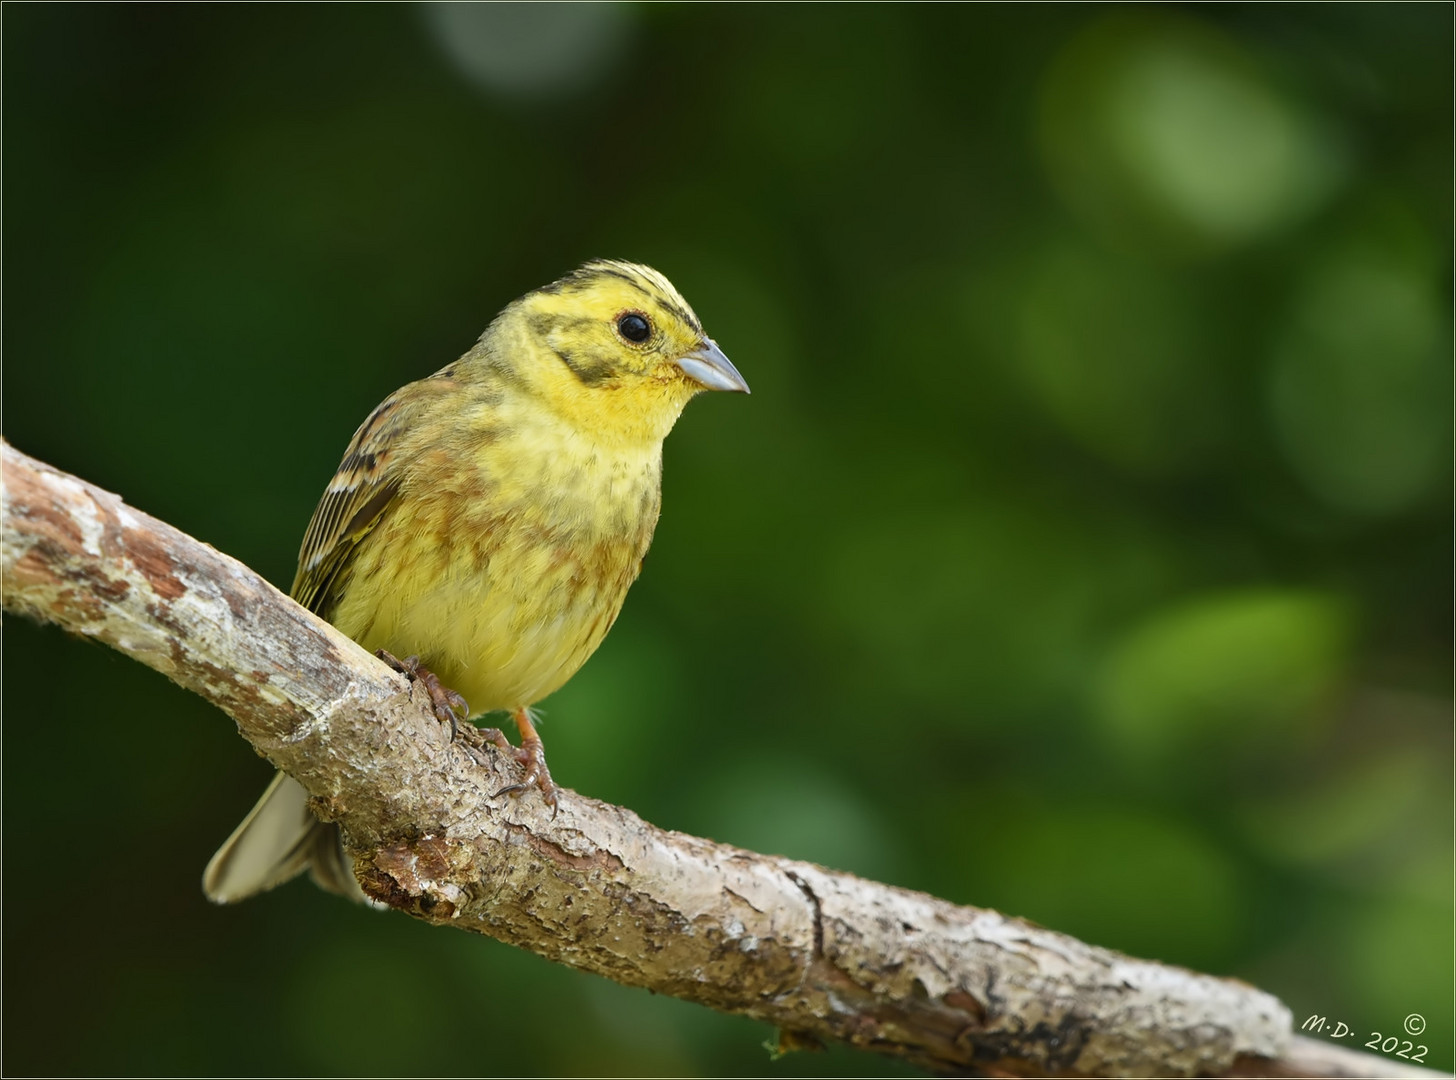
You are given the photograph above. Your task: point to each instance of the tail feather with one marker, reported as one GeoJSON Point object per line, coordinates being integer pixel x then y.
{"type": "Point", "coordinates": [277, 841]}
{"type": "Point", "coordinates": [330, 868]}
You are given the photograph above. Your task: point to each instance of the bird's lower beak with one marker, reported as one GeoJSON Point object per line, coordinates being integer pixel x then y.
{"type": "Point", "coordinates": [709, 368]}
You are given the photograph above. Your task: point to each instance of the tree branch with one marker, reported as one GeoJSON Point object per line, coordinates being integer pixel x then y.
{"type": "Point", "coordinates": [820, 954]}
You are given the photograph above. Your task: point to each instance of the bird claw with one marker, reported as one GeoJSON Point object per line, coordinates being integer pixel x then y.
{"type": "Point", "coordinates": [497, 738]}
{"type": "Point", "coordinates": [449, 707]}
{"type": "Point", "coordinates": [531, 754]}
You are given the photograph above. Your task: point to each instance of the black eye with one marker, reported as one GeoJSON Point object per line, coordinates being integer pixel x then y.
{"type": "Point", "coordinates": [634, 327]}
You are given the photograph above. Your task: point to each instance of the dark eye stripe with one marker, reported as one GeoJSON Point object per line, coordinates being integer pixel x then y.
{"type": "Point", "coordinates": [681, 315]}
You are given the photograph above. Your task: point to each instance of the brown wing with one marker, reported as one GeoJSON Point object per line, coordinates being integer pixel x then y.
{"type": "Point", "coordinates": [365, 483]}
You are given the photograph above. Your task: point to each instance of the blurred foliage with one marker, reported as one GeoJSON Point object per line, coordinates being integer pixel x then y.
{"type": "Point", "coordinates": [1083, 551]}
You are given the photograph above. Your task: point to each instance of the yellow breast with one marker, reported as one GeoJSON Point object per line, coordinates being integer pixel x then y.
{"type": "Point", "coordinates": [504, 567]}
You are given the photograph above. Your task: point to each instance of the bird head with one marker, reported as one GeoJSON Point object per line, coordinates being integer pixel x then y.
{"type": "Point", "coordinates": [614, 347]}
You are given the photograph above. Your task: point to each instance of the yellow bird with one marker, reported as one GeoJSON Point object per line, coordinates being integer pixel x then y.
{"type": "Point", "coordinates": [487, 522]}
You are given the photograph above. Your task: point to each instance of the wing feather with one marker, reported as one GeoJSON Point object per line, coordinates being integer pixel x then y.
{"type": "Point", "coordinates": [366, 482]}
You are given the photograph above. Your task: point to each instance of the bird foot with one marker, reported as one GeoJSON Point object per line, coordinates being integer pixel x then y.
{"type": "Point", "coordinates": [531, 754]}
{"type": "Point", "coordinates": [450, 708]}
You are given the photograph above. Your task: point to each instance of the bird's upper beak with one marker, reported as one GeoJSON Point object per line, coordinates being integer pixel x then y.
{"type": "Point", "coordinates": [709, 368]}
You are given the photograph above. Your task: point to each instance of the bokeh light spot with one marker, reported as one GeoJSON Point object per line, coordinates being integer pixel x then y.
{"type": "Point", "coordinates": [1148, 885]}
{"type": "Point", "coordinates": [1213, 672]}
{"type": "Point", "coordinates": [1368, 805]}
{"type": "Point", "coordinates": [1164, 126]}
{"type": "Point", "coordinates": [1114, 355]}
{"type": "Point", "coordinates": [798, 809]}
{"type": "Point", "coordinates": [530, 50]}
{"type": "Point", "coordinates": [1359, 386]}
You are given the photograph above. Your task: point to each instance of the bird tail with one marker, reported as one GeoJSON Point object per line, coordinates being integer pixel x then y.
{"type": "Point", "coordinates": [278, 840]}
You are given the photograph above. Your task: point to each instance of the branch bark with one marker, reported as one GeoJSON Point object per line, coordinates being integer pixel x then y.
{"type": "Point", "coordinates": [820, 954]}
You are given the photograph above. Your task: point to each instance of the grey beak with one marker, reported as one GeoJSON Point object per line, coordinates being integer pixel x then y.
{"type": "Point", "coordinates": [709, 368]}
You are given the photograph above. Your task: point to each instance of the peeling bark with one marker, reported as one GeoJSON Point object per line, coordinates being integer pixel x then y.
{"type": "Point", "coordinates": [821, 954]}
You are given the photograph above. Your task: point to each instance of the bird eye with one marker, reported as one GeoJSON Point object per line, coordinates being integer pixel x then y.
{"type": "Point", "coordinates": [634, 327]}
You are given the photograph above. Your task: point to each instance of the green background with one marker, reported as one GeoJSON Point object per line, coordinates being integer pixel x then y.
{"type": "Point", "coordinates": [1083, 550]}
